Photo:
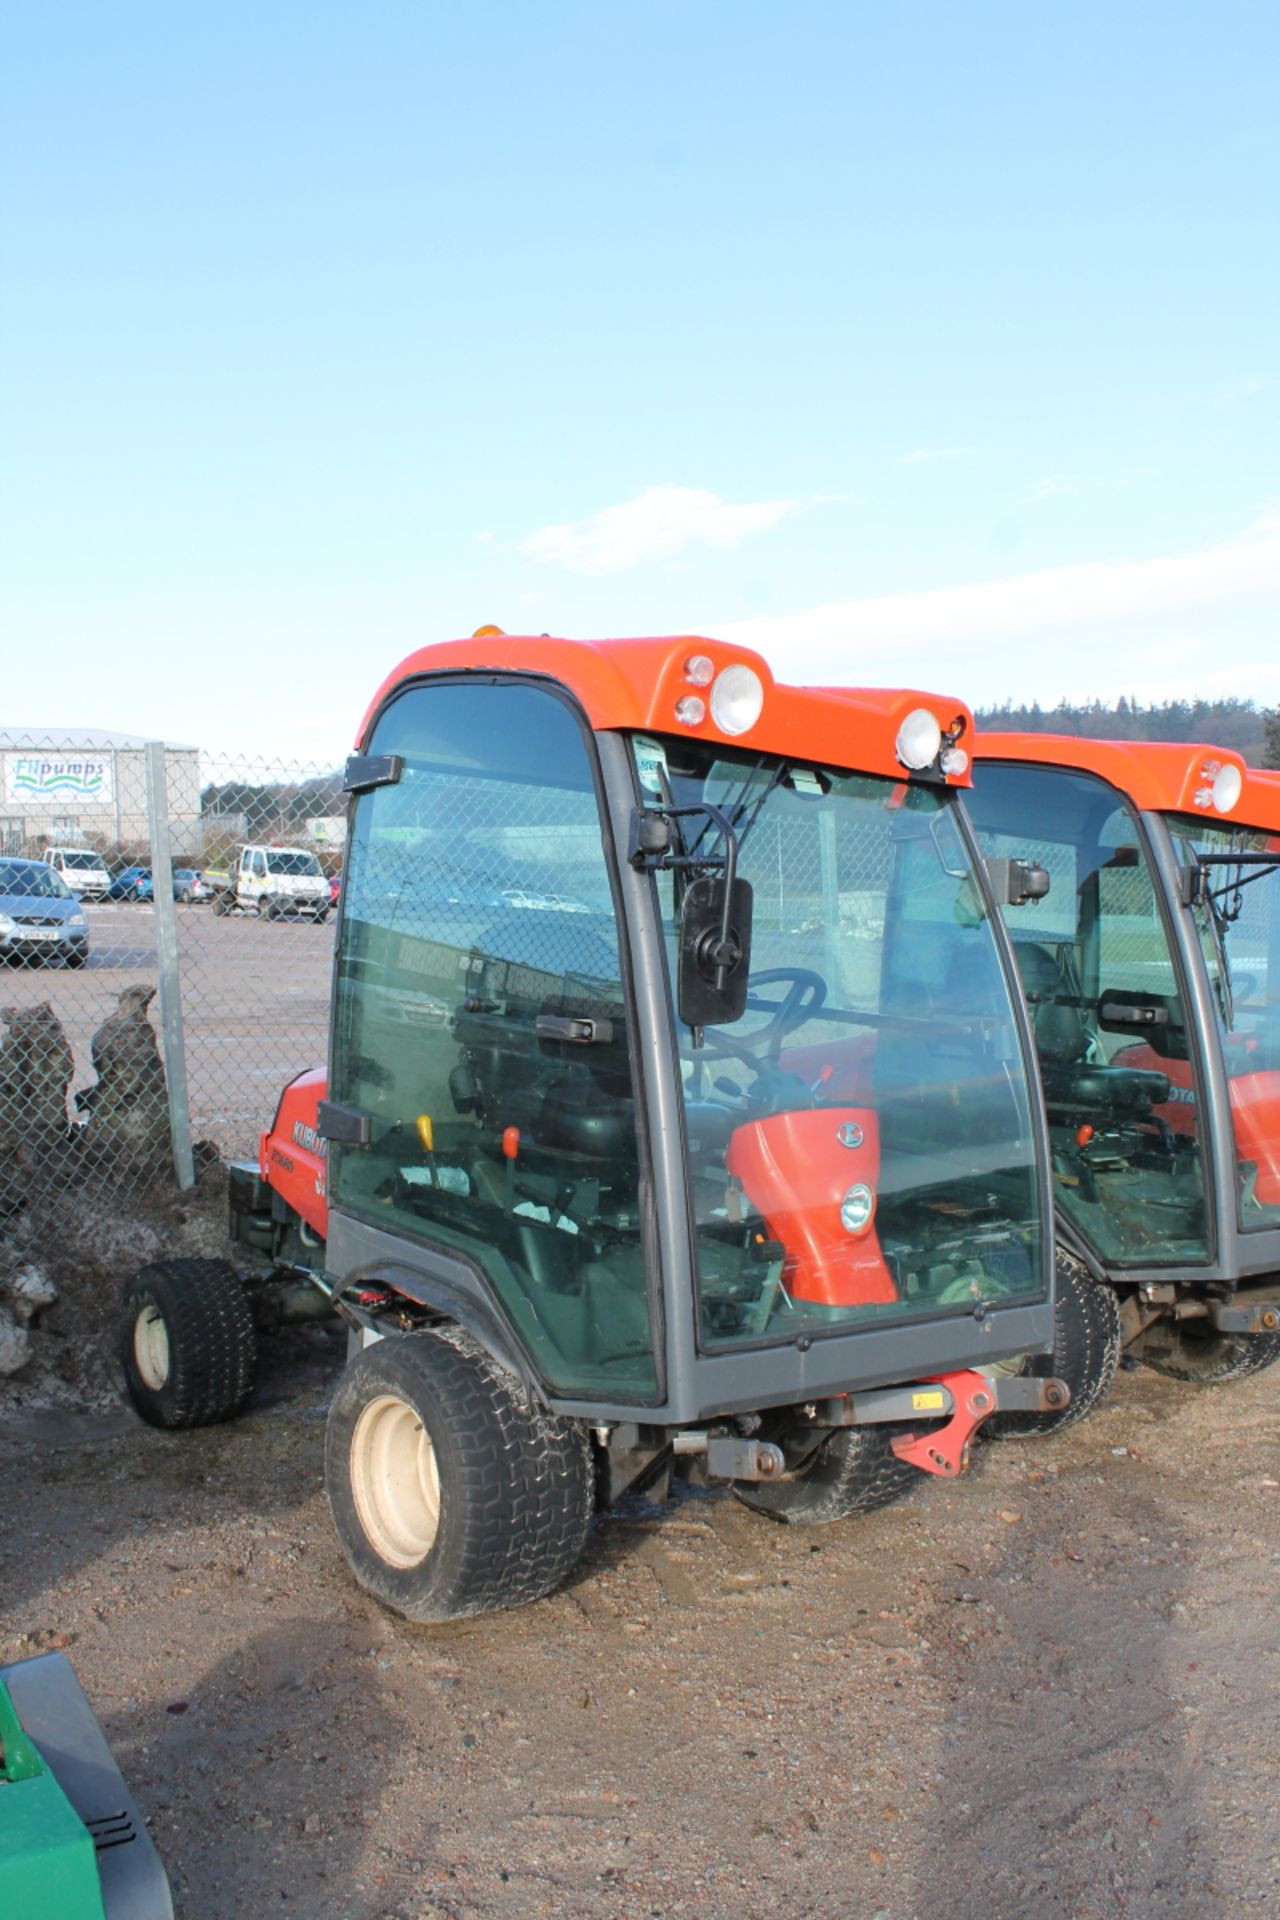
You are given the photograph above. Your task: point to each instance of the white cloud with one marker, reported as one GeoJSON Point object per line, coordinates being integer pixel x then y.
{"type": "Point", "coordinates": [1181, 623]}
{"type": "Point", "coordinates": [659, 523]}
{"type": "Point", "coordinates": [932, 456]}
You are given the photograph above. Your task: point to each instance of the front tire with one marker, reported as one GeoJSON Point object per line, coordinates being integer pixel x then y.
{"type": "Point", "coordinates": [855, 1470]}
{"type": "Point", "coordinates": [1211, 1359]}
{"type": "Point", "coordinates": [1086, 1353]}
{"type": "Point", "coordinates": [187, 1343]}
{"type": "Point", "coordinates": [452, 1491]}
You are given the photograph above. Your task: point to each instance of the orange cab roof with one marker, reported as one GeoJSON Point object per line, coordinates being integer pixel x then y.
{"type": "Point", "coordinates": [636, 684]}
{"type": "Point", "coordinates": [1260, 802]}
{"type": "Point", "coordinates": [1157, 775]}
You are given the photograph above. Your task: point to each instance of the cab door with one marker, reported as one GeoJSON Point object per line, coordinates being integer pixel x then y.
{"type": "Point", "coordinates": [483, 1027]}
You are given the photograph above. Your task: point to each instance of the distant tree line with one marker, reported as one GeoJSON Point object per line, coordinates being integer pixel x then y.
{"type": "Point", "coordinates": [1252, 730]}
{"type": "Point", "coordinates": [278, 805]}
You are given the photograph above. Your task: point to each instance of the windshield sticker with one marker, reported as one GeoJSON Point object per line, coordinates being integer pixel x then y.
{"type": "Point", "coordinates": [651, 763]}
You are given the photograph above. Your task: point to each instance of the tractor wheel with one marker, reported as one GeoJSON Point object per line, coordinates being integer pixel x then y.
{"type": "Point", "coordinates": [855, 1470]}
{"type": "Point", "coordinates": [219, 903]}
{"type": "Point", "coordinates": [452, 1491]}
{"type": "Point", "coordinates": [1086, 1353]}
{"type": "Point", "coordinates": [266, 907]}
{"type": "Point", "coordinates": [187, 1343]}
{"type": "Point", "coordinates": [1207, 1358]}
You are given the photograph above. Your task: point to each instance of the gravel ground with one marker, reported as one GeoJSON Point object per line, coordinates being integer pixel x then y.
{"type": "Point", "coordinates": [1050, 1688]}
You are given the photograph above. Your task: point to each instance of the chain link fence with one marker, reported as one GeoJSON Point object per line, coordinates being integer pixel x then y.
{"type": "Point", "coordinates": [166, 949]}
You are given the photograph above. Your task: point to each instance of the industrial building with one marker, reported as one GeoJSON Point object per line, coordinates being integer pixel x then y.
{"type": "Point", "coordinates": [83, 786]}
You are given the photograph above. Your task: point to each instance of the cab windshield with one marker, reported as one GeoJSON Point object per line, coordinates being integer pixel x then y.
{"type": "Point", "coordinates": [860, 1141]}
{"type": "Point", "coordinates": [1238, 917]}
{"type": "Point", "coordinates": [293, 863]}
{"type": "Point", "coordinates": [1117, 1061]}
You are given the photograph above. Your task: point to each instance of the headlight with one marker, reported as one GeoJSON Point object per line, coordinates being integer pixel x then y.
{"type": "Point", "coordinates": [857, 1208]}
{"type": "Point", "coordinates": [919, 740]}
{"type": "Point", "coordinates": [737, 699]}
{"type": "Point", "coordinates": [1227, 788]}
{"type": "Point", "coordinates": [7, 927]}
{"type": "Point", "coordinates": [77, 921]}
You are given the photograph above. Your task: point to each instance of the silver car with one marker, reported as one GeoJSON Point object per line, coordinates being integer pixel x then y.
{"type": "Point", "coordinates": [40, 918]}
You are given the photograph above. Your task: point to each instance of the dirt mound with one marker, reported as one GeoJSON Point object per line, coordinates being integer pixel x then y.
{"type": "Point", "coordinates": [88, 1243]}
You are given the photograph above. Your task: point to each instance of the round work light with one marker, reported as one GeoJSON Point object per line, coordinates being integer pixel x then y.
{"type": "Point", "coordinates": [918, 741]}
{"type": "Point", "coordinates": [1227, 788]}
{"type": "Point", "coordinates": [737, 699]}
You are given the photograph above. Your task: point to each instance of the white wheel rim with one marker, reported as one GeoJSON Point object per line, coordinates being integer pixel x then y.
{"type": "Point", "coordinates": [395, 1482]}
{"type": "Point", "coordinates": [151, 1348]}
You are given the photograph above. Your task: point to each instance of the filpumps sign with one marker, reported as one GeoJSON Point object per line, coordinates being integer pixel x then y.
{"type": "Point", "coordinates": [69, 779]}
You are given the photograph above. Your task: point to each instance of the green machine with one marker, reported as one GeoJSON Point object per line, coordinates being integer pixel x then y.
{"type": "Point", "coordinates": [72, 1842]}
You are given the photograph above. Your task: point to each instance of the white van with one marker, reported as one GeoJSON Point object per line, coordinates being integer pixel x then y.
{"type": "Point", "coordinates": [83, 870]}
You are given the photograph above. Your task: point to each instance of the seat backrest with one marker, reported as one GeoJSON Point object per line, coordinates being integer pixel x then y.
{"type": "Point", "coordinates": [1060, 1031]}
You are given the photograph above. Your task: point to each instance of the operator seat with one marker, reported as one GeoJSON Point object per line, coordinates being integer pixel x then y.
{"type": "Point", "coordinates": [1074, 1087]}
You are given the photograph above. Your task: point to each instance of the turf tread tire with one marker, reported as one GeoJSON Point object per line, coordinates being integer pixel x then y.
{"type": "Point", "coordinates": [517, 1485]}
{"type": "Point", "coordinates": [1227, 1357]}
{"type": "Point", "coordinates": [854, 1471]}
{"type": "Point", "coordinates": [213, 1349]}
{"type": "Point", "coordinates": [1086, 1353]}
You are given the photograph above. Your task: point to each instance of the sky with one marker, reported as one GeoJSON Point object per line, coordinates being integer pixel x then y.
{"type": "Point", "coordinates": [923, 344]}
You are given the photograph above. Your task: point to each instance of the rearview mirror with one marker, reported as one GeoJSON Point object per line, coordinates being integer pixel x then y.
{"type": "Point", "coordinates": [715, 951]}
{"type": "Point", "coordinates": [1014, 882]}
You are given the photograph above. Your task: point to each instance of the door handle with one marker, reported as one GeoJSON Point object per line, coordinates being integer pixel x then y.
{"type": "Point", "coordinates": [580, 1031]}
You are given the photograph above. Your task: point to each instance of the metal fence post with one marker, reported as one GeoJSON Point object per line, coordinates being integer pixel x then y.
{"type": "Point", "coordinates": [166, 923]}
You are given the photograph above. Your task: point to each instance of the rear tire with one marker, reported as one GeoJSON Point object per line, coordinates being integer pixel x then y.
{"type": "Point", "coordinates": [219, 904]}
{"type": "Point", "coordinates": [452, 1491]}
{"type": "Point", "coordinates": [187, 1343]}
{"type": "Point", "coordinates": [855, 1470]}
{"type": "Point", "coordinates": [1212, 1359]}
{"type": "Point", "coordinates": [1086, 1353]}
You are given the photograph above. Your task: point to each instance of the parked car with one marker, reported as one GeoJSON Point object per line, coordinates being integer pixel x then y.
{"type": "Point", "coordinates": [40, 918]}
{"type": "Point", "coordinates": [131, 883]}
{"type": "Point", "coordinates": [137, 883]}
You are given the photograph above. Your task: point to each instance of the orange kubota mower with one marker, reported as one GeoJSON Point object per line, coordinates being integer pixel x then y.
{"type": "Point", "coordinates": [1152, 970]}
{"type": "Point", "coordinates": [680, 1106]}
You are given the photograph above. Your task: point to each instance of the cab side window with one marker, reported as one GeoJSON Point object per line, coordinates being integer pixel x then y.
{"type": "Point", "coordinates": [483, 1025]}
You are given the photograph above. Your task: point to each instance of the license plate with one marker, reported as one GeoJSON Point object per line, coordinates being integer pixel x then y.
{"type": "Point", "coordinates": [38, 933]}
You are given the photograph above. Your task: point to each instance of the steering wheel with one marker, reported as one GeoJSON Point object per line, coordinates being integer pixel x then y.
{"type": "Point", "coordinates": [803, 997]}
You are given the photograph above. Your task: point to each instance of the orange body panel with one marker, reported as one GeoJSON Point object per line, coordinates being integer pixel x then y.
{"type": "Point", "coordinates": [795, 1171]}
{"type": "Point", "coordinates": [1158, 776]}
{"type": "Point", "coordinates": [635, 684]}
{"type": "Point", "coordinates": [292, 1158]}
{"type": "Point", "coordinates": [1255, 1114]}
